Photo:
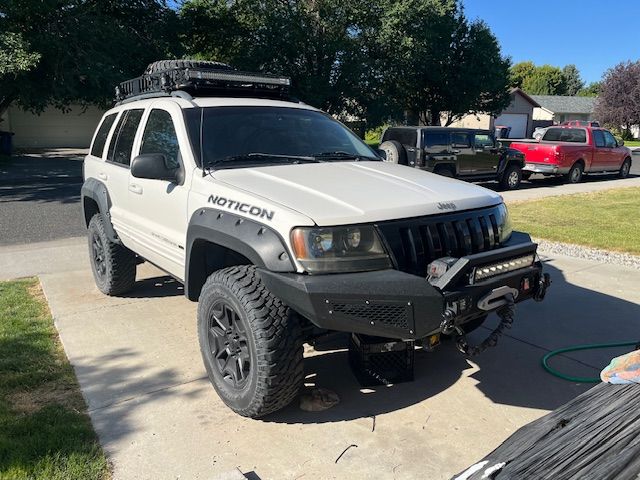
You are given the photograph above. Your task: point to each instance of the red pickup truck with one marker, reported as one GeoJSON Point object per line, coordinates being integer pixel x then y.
{"type": "Point", "coordinates": [573, 151]}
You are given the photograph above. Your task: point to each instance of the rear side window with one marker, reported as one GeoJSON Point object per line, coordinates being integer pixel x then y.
{"type": "Point", "coordinates": [122, 139]}
{"type": "Point", "coordinates": [160, 137]}
{"type": "Point", "coordinates": [101, 137]}
{"type": "Point", "coordinates": [573, 135]}
{"type": "Point", "coordinates": [598, 138]}
{"type": "Point", "coordinates": [460, 140]}
{"type": "Point", "coordinates": [405, 136]}
{"type": "Point", "coordinates": [436, 139]}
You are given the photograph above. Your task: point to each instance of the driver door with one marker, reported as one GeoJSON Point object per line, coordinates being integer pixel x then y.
{"type": "Point", "coordinates": [159, 207]}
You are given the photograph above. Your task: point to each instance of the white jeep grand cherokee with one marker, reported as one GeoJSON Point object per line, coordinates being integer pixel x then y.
{"type": "Point", "coordinates": [282, 223]}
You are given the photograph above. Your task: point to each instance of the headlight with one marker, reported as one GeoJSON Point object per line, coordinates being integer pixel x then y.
{"type": "Point", "coordinates": [339, 249]}
{"type": "Point", "coordinates": [505, 228]}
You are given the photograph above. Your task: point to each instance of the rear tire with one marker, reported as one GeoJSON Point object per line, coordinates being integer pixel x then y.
{"type": "Point", "coordinates": [511, 178]}
{"type": "Point", "coordinates": [113, 264]}
{"type": "Point", "coordinates": [395, 152]}
{"type": "Point", "coordinates": [625, 168]}
{"type": "Point", "coordinates": [575, 174]}
{"type": "Point", "coordinates": [251, 343]}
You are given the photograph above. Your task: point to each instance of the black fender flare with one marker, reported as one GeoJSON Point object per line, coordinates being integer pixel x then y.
{"type": "Point", "coordinates": [506, 158]}
{"type": "Point", "coordinates": [259, 243]}
{"type": "Point", "coordinates": [97, 191]}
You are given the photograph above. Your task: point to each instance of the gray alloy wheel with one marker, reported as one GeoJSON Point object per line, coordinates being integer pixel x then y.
{"type": "Point", "coordinates": [511, 178]}
{"type": "Point", "coordinates": [625, 168]}
{"type": "Point", "coordinates": [575, 174]}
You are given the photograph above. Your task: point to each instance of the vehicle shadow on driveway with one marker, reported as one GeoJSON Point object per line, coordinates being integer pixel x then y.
{"type": "Point", "coordinates": [156, 287]}
{"type": "Point", "coordinates": [509, 374]}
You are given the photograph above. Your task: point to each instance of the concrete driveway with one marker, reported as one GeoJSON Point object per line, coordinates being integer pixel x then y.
{"type": "Point", "coordinates": [139, 367]}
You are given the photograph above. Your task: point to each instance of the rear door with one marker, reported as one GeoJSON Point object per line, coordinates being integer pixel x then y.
{"type": "Point", "coordinates": [115, 170]}
{"type": "Point", "coordinates": [436, 147]}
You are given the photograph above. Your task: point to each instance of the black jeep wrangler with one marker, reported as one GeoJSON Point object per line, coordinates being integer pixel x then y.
{"type": "Point", "coordinates": [464, 153]}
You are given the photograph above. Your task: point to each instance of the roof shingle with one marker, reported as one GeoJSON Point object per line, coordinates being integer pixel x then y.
{"type": "Point", "coordinates": [565, 103]}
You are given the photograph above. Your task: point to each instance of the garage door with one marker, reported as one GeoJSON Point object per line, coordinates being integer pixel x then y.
{"type": "Point", "coordinates": [517, 122]}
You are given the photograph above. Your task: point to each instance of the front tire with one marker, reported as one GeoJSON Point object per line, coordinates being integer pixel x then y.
{"type": "Point", "coordinates": [251, 343]}
{"type": "Point", "coordinates": [511, 178]}
{"type": "Point", "coordinates": [113, 264]}
{"type": "Point", "coordinates": [575, 174]}
{"type": "Point", "coordinates": [625, 168]}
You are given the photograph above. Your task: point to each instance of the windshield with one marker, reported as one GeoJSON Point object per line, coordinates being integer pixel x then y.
{"type": "Point", "coordinates": [574, 135]}
{"type": "Point", "coordinates": [250, 136]}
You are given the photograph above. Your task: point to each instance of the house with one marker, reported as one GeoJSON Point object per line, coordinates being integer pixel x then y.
{"type": "Point", "coordinates": [556, 109]}
{"type": "Point", "coordinates": [52, 128]}
{"type": "Point", "coordinates": [518, 115]}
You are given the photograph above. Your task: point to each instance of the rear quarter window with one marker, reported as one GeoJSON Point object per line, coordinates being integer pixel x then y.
{"type": "Point", "coordinates": [572, 135]}
{"type": "Point", "coordinates": [101, 137]}
{"type": "Point", "coordinates": [437, 140]}
{"type": "Point", "coordinates": [406, 136]}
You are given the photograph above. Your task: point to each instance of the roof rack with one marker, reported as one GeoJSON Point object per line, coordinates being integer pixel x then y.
{"type": "Point", "coordinates": [205, 82]}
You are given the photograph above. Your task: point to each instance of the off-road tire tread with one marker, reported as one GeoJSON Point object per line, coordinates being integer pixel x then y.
{"type": "Point", "coordinates": [121, 262]}
{"type": "Point", "coordinates": [278, 339]}
{"type": "Point", "coordinates": [164, 65]}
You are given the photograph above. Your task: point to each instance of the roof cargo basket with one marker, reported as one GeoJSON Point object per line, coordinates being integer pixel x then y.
{"type": "Point", "coordinates": [205, 82]}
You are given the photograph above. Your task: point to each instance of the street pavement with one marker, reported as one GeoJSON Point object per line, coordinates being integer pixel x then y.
{"type": "Point", "coordinates": [40, 196]}
{"type": "Point", "coordinates": [139, 367]}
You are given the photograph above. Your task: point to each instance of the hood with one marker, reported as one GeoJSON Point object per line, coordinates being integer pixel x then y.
{"type": "Point", "coordinates": [341, 193]}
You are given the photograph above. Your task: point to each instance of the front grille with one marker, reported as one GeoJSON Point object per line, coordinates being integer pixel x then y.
{"type": "Point", "coordinates": [392, 315]}
{"type": "Point", "coordinates": [416, 242]}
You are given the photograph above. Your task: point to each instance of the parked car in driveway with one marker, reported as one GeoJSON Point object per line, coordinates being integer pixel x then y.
{"type": "Point", "coordinates": [539, 132]}
{"type": "Point", "coordinates": [574, 151]}
{"type": "Point", "coordinates": [464, 153]}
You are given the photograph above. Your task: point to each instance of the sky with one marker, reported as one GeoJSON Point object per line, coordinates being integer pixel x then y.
{"type": "Point", "coordinates": [592, 34]}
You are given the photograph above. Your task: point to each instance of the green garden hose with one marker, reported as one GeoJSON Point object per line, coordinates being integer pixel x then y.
{"type": "Point", "coordinates": [570, 378]}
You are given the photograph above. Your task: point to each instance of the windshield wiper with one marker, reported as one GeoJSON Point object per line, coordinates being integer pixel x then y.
{"type": "Point", "coordinates": [252, 157]}
{"type": "Point", "coordinates": [341, 155]}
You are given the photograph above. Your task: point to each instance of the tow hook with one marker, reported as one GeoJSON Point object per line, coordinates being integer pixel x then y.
{"type": "Point", "coordinates": [448, 326]}
{"type": "Point", "coordinates": [543, 285]}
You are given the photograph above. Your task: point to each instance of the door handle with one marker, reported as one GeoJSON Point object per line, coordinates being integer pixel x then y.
{"type": "Point", "coordinates": [102, 176]}
{"type": "Point", "coordinates": [137, 189]}
{"type": "Point", "coordinates": [455, 151]}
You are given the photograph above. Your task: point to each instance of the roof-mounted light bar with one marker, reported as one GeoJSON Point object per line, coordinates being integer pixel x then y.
{"type": "Point", "coordinates": [238, 77]}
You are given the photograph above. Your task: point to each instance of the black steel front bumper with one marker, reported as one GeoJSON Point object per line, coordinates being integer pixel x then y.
{"type": "Point", "coordinates": [394, 304]}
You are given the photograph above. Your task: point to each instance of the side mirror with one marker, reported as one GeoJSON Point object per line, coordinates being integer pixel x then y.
{"type": "Point", "coordinates": [621, 143]}
{"type": "Point", "coordinates": [152, 166]}
{"type": "Point", "coordinates": [381, 153]}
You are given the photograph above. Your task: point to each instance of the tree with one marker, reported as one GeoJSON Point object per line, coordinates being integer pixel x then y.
{"type": "Point", "coordinates": [573, 82]}
{"type": "Point", "coordinates": [85, 47]}
{"type": "Point", "coordinates": [545, 80]}
{"type": "Point", "coordinates": [520, 72]}
{"type": "Point", "coordinates": [618, 103]}
{"type": "Point", "coordinates": [438, 63]}
{"type": "Point", "coordinates": [15, 59]}
{"type": "Point", "coordinates": [318, 43]}
{"type": "Point", "coordinates": [591, 90]}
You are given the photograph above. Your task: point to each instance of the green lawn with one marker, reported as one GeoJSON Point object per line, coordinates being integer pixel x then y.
{"type": "Point", "coordinates": [632, 143]}
{"type": "Point", "coordinates": [609, 220]}
{"type": "Point", "coordinates": [45, 433]}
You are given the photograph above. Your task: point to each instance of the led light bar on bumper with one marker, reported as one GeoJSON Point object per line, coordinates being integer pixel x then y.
{"type": "Point", "coordinates": [339, 249]}
{"type": "Point", "coordinates": [487, 271]}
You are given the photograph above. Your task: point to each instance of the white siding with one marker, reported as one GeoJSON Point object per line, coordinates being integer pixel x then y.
{"type": "Point", "coordinates": [52, 128]}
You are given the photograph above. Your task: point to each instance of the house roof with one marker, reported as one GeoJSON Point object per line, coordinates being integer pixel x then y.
{"type": "Point", "coordinates": [524, 94]}
{"type": "Point", "coordinates": [565, 103]}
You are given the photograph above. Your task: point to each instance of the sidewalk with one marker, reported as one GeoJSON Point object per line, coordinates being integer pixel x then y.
{"type": "Point", "coordinates": [139, 368]}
